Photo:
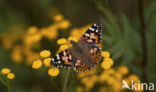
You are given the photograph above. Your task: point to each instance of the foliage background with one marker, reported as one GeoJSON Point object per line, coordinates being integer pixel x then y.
{"type": "Point", "coordinates": [123, 35]}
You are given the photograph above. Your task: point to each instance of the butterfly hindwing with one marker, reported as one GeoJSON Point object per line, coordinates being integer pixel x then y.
{"type": "Point", "coordinates": [81, 66]}
{"type": "Point", "coordinates": [62, 59]}
{"type": "Point", "coordinates": [95, 53]}
{"type": "Point", "coordinates": [92, 35]}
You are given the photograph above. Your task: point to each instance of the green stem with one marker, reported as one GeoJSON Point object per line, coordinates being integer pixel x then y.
{"type": "Point", "coordinates": [66, 81]}
{"type": "Point", "coordinates": [54, 84]}
{"type": "Point", "coordinates": [144, 41]}
{"type": "Point", "coordinates": [8, 86]}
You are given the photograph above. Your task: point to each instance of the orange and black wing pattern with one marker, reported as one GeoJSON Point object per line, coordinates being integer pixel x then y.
{"type": "Point", "coordinates": [93, 34]}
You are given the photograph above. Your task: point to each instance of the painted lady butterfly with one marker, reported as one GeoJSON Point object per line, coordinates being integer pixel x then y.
{"type": "Point", "coordinates": [84, 54]}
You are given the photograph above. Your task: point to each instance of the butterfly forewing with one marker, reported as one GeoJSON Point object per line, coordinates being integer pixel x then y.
{"type": "Point", "coordinates": [62, 59]}
{"type": "Point", "coordinates": [92, 35]}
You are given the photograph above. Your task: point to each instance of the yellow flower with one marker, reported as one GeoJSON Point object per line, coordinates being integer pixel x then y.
{"type": "Point", "coordinates": [123, 70]}
{"type": "Point", "coordinates": [50, 32]}
{"type": "Point", "coordinates": [5, 71]}
{"type": "Point", "coordinates": [45, 53]}
{"type": "Point", "coordinates": [103, 77]}
{"type": "Point", "coordinates": [111, 80]}
{"type": "Point", "coordinates": [75, 32]}
{"type": "Point", "coordinates": [117, 86]}
{"type": "Point", "coordinates": [11, 76]}
{"type": "Point", "coordinates": [118, 75]}
{"type": "Point", "coordinates": [63, 47]}
{"type": "Point", "coordinates": [58, 17]}
{"type": "Point", "coordinates": [64, 24]}
{"type": "Point", "coordinates": [53, 71]}
{"type": "Point", "coordinates": [36, 37]}
{"type": "Point", "coordinates": [109, 60]}
{"type": "Point", "coordinates": [61, 41]}
{"type": "Point", "coordinates": [37, 64]}
{"type": "Point", "coordinates": [16, 54]}
{"type": "Point", "coordinates": [133, 77]}
{"type": "Point", "coordinates": [87, 82]}
{"type": "Point", "coordinates": [32, 30]}
{"type": "Point", "coordinates": [7, 42]}
{"type": "Point", "coordinates": [47, 62]}
{"type": "Point", "coordinates": [105, 54]}
{"type": "Point", "coordinates": [106, 65]}
{"type": "Point", "coordinates": [94, 78]}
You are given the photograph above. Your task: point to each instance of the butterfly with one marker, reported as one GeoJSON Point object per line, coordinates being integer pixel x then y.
{"type": "Point", "coordinates": [84, 54]}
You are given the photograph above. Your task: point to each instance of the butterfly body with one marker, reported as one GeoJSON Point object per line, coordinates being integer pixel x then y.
{"type": "Point", "coordinates": [84, 54]}
{"type": "Point", "coordinates": [81, 50]}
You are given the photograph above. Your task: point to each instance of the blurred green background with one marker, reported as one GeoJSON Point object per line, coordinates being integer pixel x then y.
{"type": "Point", "coordinates": [129, 35]}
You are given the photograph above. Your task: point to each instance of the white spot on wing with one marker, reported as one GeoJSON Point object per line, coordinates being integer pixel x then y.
{"type": "Point", "coordinates": [59, 62]}
{"type": "Point", "coordinates": [58, 57]}
{"type": "Point", "coordinates": [91, 29]}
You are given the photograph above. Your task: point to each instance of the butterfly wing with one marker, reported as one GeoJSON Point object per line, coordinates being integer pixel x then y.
{"type": "Point", "coordinates": [81, 66]}
{"type": "Point", "coordinates": [63, 59]}
{"type": "Point", "coordinates": [95, 53]}
{"type": "Point", "coordinates": [92, 52]}
{"type": "Point", "coordinates": [92, 35]}
{"type": "Point", "coordinates": [94, 56]}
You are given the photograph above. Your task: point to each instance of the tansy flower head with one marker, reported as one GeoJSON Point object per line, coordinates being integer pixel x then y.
{"type": "Point", "coordinates": [37, 64]}
{"type": "Point", "coordinates": [46, 62]}
{"type": "Point", "coordinates": [105, 65]}
{"type": "Point", "coordinates": [109, 60]}
{"type": "Point", "coordinates": [123, 70]}
{"type": "Point", "coordinates": [53, 71]}
{"type": "Point", "coordinates": [32, 30]}
{"type": "Point", "coordinates": [5, 71]}
{"type": "Point", "coordinates": [61, 41]}
{"type": "Point", "coordinates": [58, 17]}
{"type": "Point", "coordinates": [45, 53]}
{"type": "Point", "coordinates": [63, 47]}
{"type": "Point", "coordinates": [105, 54]}
{"type": "Point", "coordinates": [133, 77]}
{"type": "Point", "coordinates": [10, 76]}
{"type": "Point", "coordinates": [64, 24]}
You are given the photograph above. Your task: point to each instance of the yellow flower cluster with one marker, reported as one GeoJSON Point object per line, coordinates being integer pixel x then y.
{"type": "Point", "coordinates": [30, 39]}
{"type": "Point", "coordinates": [45, 54]}
{"type": "Point", "coordinates": [38, 63]}
{"type": "Point", "coordinates": [64, 44]}
{"type": "Point", "coordinates": [107, 61]}
{"type": "Point", "coordinates": [8, 73]}
{"type": "Point", "coordinates": [111, 78]}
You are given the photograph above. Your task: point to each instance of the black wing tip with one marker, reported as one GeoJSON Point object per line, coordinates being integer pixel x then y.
{"type": "Point", "coordinates": [98, 24]}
